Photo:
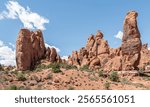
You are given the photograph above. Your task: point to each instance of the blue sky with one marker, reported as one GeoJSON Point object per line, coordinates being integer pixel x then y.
{"type": "Point", "coordinates": [72, 21]}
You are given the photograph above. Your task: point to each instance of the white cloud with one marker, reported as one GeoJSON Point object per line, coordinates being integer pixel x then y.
{"type": "Point", "coordinates": [12, 45]}
{"type": "Point", "coordinates": [30, 20]}
{"type": "Point", "coordinates": [1, 17]}
{"type": "Point", "coordinates": [64, 57]}
{"type": "Point", "coordinates": [1, 43]}
{"type": "Point", "coordinates": [47, 45]}
{"type": "Point", "coordinates": [7, 55]}
{"type": "Point", "coordinates": [119, 35]}
{"type": "Point", "coordinates": [149, 48]}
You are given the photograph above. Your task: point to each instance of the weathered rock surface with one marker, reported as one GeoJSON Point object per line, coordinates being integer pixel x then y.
{"type": "Point", "coordinates": [131, 55]}
{"type": "Point", "coordinates": [30, 48]}
{"type": "Point", "coordinates": [24, 50]}
{"type": "Point", "coordinates": [131, 42]}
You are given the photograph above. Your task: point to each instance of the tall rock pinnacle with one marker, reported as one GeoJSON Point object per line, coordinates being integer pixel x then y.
{"type": "Point", "coordinates": [131, 42]}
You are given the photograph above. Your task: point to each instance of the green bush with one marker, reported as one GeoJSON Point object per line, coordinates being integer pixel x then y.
{"type": "Point", "coordinates": [40, 67]}
{"type": "Point", "coordinates": [56, 68]}
{"type": "Point", "coordinates": [124, 81]}
{"type": "Point", "coordinates": [67, 67]}
{"type": "Point", "coordinates": [13, 87]}
{"type": "Point", "coordinates": [71, 88]}
{"type": "Point", "coordinates": [85, 68]}
{"type": "Point", "coordinates": [21, 77]}
{"type": "Point", "coordinates": [107, 85]}
{"type": "Point", "coordinates": [50, 65]}
{"type": "Point", "coordinates": [49, 76]}
{"type": "Point", "coordinates": [101, 73]}
{"type": "Point", "coordinates": [114, 77]}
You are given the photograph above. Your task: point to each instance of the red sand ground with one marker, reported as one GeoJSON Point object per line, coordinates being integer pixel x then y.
{"type": "Point", "coordinates": [72, 80]}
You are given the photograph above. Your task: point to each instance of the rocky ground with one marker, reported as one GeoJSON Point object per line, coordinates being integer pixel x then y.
{"type": "Point", "coordinates": [67, 77]}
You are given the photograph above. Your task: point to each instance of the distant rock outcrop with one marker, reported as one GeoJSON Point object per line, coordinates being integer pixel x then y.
{"type": "Point", "coordinates": [131, 55]}
{"type": "Point", "coordinates": [30, 48]}
{"type": "Point", "coordinates": [52, 56]}
{"type": "Point", "coordinates": [95, 53]}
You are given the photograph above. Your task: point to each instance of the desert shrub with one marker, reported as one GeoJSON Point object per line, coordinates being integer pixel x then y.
{"type": "Point", "coordinates": [124, 81]}
{"type": "Point", "coordinates": [71, 88]}
{"type": "Point", "coordinates": [142, 74]}
{"type": "Point", "coordinates": [93, 78]}
{"type": "Point", "coordinates": [50, 65]}
{"type": "Point", "coordinates": [4, 79]}
{"type": "Point", "coordinates": [107, 85]}
{"type": "Point", "coordinates": [49, 76]}
{"type": "Point", "coordinates": [56, 68]}
{"type": "Point", "coordinates": [53, 65]}
{"type": "Point", "coordinates": [114, 77]}
{"type": "Point", "coordinates": [85, 68]}
{"type": "Point", "coordinates": [38, 70]}
{"type": "Point", "coordinates": [140, 70]}
{"type": "Point", "coordinates": [67, 67]}
{"type": "Point", "coordinates": [101, 73]}
{"type": "Point", "coordinates": [13, 87]}
{"type": "Point", "coordinates": [21, 77]}
{"type": "Point", "coordinates": [40, 67]}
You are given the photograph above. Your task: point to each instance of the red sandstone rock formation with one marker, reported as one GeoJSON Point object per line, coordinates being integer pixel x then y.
{"type": "Point", "coordinates": [131, 55]}
{"type": "Point", "coordinates": [30, 48]}
{"type": "Point", "coordinates": [131, 42]}
{"type": "Point", "coordinates": [24, 52]}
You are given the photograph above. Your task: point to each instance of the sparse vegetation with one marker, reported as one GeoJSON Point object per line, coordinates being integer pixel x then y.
{"type": "Point", "coordinates": [36, 78]}
{"type": "Point", "coordinates": [102, 74]}
{"type": "Point", "coordinates": [13, 87]}
{"type": "Point", "coordinates": [85, 68]}
{"type": "Point", "coordinates": [40, 67]}
{"type": "Point", "coordinates": [3, 80]}
{"type": "Point", "coordinates": [124, 81]}
{"type": "Point", "coordinates": [107, 85]}
{"type": "Point", "coordinates": [146, 78]}
{"type": "Point", "coordinates": [138, 85]}
{"type": "Point", "coordinates": [56, 68]}
{"type": "Point", "coordinates": [114, 77]}
{"type": "Point", "coordinates": [92, 78]}
{"type": "Point", "coordinates": [67, 67]}
{"type": "Point", "coordinates": [49, 76]}
{"type": "Point", "coordinates": [71, 88]}
{"type": "Point", "coordinates": [21, 77]}
{"type": "Point", "coordinates": [140, 71]}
